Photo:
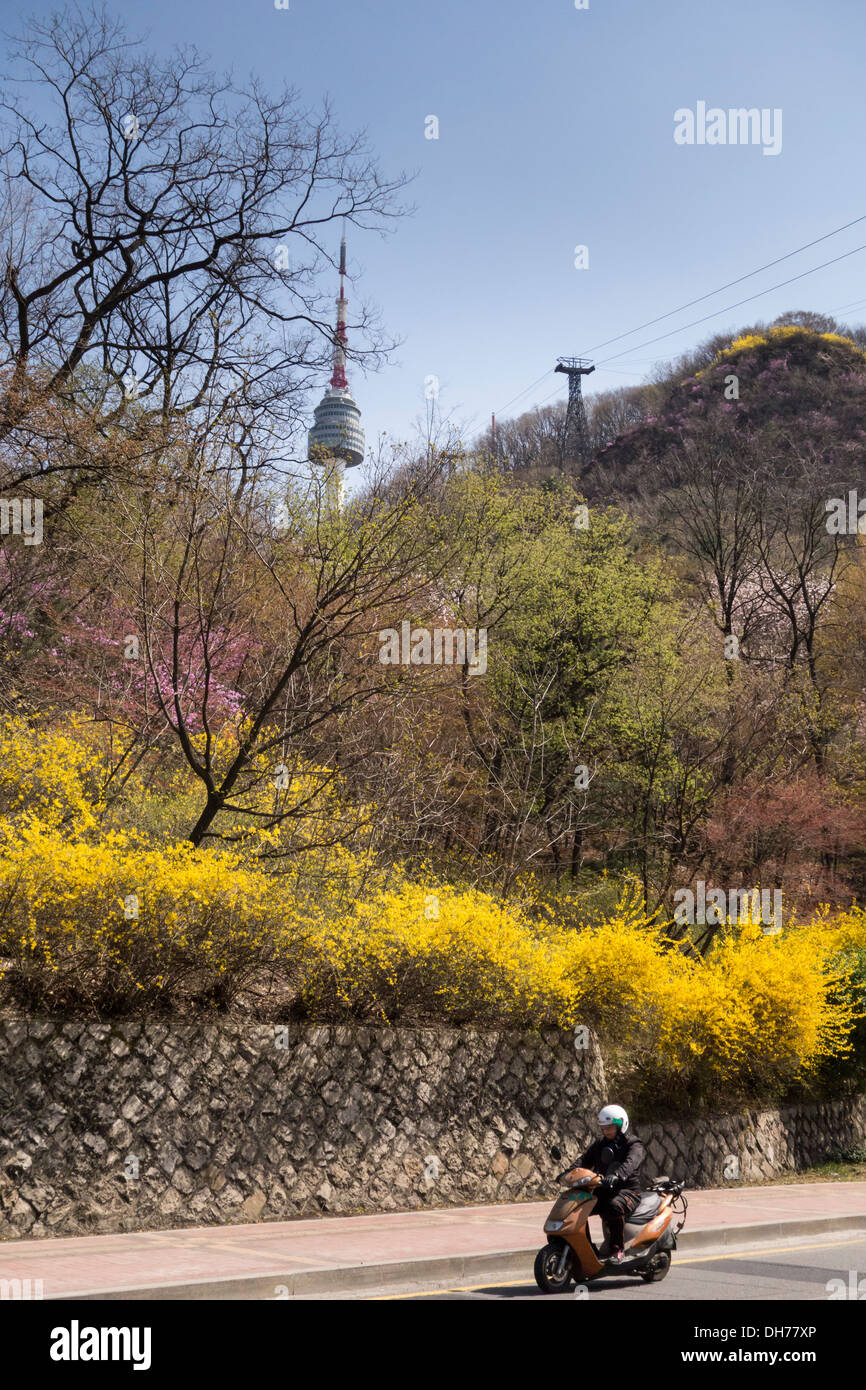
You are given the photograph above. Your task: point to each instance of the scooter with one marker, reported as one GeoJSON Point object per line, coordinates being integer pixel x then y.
{"type": "Point", "coordinates": [650, 1234]}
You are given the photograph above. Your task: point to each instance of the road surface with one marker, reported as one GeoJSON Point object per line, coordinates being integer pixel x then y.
{"type": "Point", "coordinates": [798, 1270]}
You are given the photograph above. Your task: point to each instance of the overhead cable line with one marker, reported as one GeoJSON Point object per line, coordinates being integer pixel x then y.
{"type": "Point", "coordinates": [769, 290]}
{"type": "Point", "coordinates": [691, 303]}
{"type": "Point", "coordinates": [700, 300]}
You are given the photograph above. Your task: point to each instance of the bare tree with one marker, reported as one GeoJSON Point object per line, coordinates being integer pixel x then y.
{"type": "Point", "coordinates": [261, 624]}
{"type": "Point", "coordinates": [169, 228]}
{"type": "Point", "coordinates": [713, 495]}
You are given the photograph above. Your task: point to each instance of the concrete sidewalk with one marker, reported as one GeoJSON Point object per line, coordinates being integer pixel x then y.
{"type": "Point", "coordinates": [333, 1254]}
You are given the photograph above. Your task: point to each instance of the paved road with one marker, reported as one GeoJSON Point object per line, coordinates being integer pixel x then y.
{"type": "Point", "coordinates": [789, 1270]}
{"type": "Point", "coordinates": [460, 1246]}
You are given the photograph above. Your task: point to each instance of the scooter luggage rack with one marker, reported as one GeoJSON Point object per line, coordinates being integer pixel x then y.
{"type": "Point", "coordinates": [665, 1184]}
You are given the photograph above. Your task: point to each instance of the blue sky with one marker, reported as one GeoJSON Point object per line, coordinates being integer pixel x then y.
{"type": "Point", "coordinates": [556, 130]}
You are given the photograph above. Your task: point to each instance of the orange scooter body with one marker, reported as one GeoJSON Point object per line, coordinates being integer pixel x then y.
{"type": "Point", "coordinates": [572, 1209]}
{"type": "Point", "coordinates": [651, 1230]}
{"type": "Point", "coordinates": [570, 1213]}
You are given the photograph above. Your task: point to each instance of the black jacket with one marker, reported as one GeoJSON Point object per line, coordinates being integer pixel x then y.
{"type": "Point", "coordinates": [622, 1158]}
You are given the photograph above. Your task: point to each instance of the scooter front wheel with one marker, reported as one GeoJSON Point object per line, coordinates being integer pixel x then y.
{"type": "Point", "coordinates": [658, 1268]}
{"type": "Point", "coordinates": [546, 1276]}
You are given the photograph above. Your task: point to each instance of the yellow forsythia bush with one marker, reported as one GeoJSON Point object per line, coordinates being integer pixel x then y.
{"type": "Point", "coordinates": [779, 334]}
{"type": "Point", "coordinates": [117, 924]}
{"type": "Point", "coordinates": [435, 952]}
{"type": "Point", "coordinates": [757, 1013]}
{"type": "Point", "coordinates": [101, 920]}
{"type": "Point", "coordinates": [53, 773]}
{"type": "Point", "coordinates": [111, 925]}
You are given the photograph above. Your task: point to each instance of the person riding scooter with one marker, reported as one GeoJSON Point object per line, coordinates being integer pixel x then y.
{"type": "Point", "coordinates": [618, 1156]}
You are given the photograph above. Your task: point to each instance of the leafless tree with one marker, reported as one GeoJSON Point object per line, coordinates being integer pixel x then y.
{"type": "Point", "coordinates": [713, 497]}
{"type": "Point", "coordinates": [169, 228]}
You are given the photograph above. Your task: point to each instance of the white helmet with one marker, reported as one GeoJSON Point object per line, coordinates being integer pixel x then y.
{"type": "Point", "coordinates": [614, 1115]}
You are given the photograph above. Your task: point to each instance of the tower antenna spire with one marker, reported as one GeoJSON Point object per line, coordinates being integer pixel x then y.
{"type": "Point", "coordinates": [338, 376]}
{"type": "Point", "coordinates": [337, 432]}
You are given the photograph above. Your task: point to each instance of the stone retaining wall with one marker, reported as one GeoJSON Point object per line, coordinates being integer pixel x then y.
{"type": "Point", "coordinates": [727, 1150]}
{"type": "Point", "coordinates": [142, 1125]}
{"type": "Point", "coordinates": [145, 1125]}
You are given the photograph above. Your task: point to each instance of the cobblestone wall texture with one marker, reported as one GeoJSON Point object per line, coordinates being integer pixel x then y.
{"type": "Point", "coordinates": [147, 1125]}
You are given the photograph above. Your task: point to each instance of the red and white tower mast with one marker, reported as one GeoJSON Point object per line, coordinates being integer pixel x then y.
{"type": "Point", "coordinates": [338, 377]}
{"type": "Point", "coordinates": [337, 431]}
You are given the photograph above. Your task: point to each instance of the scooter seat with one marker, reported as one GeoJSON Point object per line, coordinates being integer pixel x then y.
{"type": "Point", "coordinates": [645, 1210]}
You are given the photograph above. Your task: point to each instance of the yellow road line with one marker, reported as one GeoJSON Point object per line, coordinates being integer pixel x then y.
{"type": "Point", "coordinates": [427, 1293]}
{"type": "Point", "coordinates": [695, 1260]}
{"type": "Point", "coordinates": [773, 1250]}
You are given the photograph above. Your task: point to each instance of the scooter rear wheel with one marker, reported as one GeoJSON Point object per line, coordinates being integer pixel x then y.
{"type": "Point", "coordinates": [546, 1277]}
{"type": "Point", "coordinates": [659, 1266]}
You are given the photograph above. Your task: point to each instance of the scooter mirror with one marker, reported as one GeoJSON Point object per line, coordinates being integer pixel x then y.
{"type": "Point", "coordinates": [555, 1153]}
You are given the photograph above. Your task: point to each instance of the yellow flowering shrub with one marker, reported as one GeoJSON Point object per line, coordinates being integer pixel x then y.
{"type": "Point", "coordinates": [758, 1014]}
{"type": "Point", "coordinates": [749, 341]}
{"type": "Point", "coordinates": [97, 917]}
{"type": "Point", "coordinates": [436, 952]}
{"type": "Point", "coordinates": [113, 925]}
{"type": "Point", "coordinates": [58, 774]}
{"type": "Point", "coordinates": [777, 337]}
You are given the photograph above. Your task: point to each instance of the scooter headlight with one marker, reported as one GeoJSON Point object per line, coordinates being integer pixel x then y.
{"type": "Point", "coordinates": [553, 1225]}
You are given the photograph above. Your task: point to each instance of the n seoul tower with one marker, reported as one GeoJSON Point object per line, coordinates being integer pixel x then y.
{"type": "Point", "coordinates": [337, 432]}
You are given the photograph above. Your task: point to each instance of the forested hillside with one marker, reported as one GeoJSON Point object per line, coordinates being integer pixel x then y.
{"type": "Point", "coordinates": [453, 749]}
{"type": "Point", "coordinates": [732, 470]}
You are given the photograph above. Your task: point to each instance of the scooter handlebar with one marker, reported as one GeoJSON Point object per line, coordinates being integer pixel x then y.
{"type": "Point", "coordinates": [588, 1179]}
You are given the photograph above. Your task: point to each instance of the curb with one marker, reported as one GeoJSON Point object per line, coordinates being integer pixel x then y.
{"type": "Point", "coordinates": [432, 1269]}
